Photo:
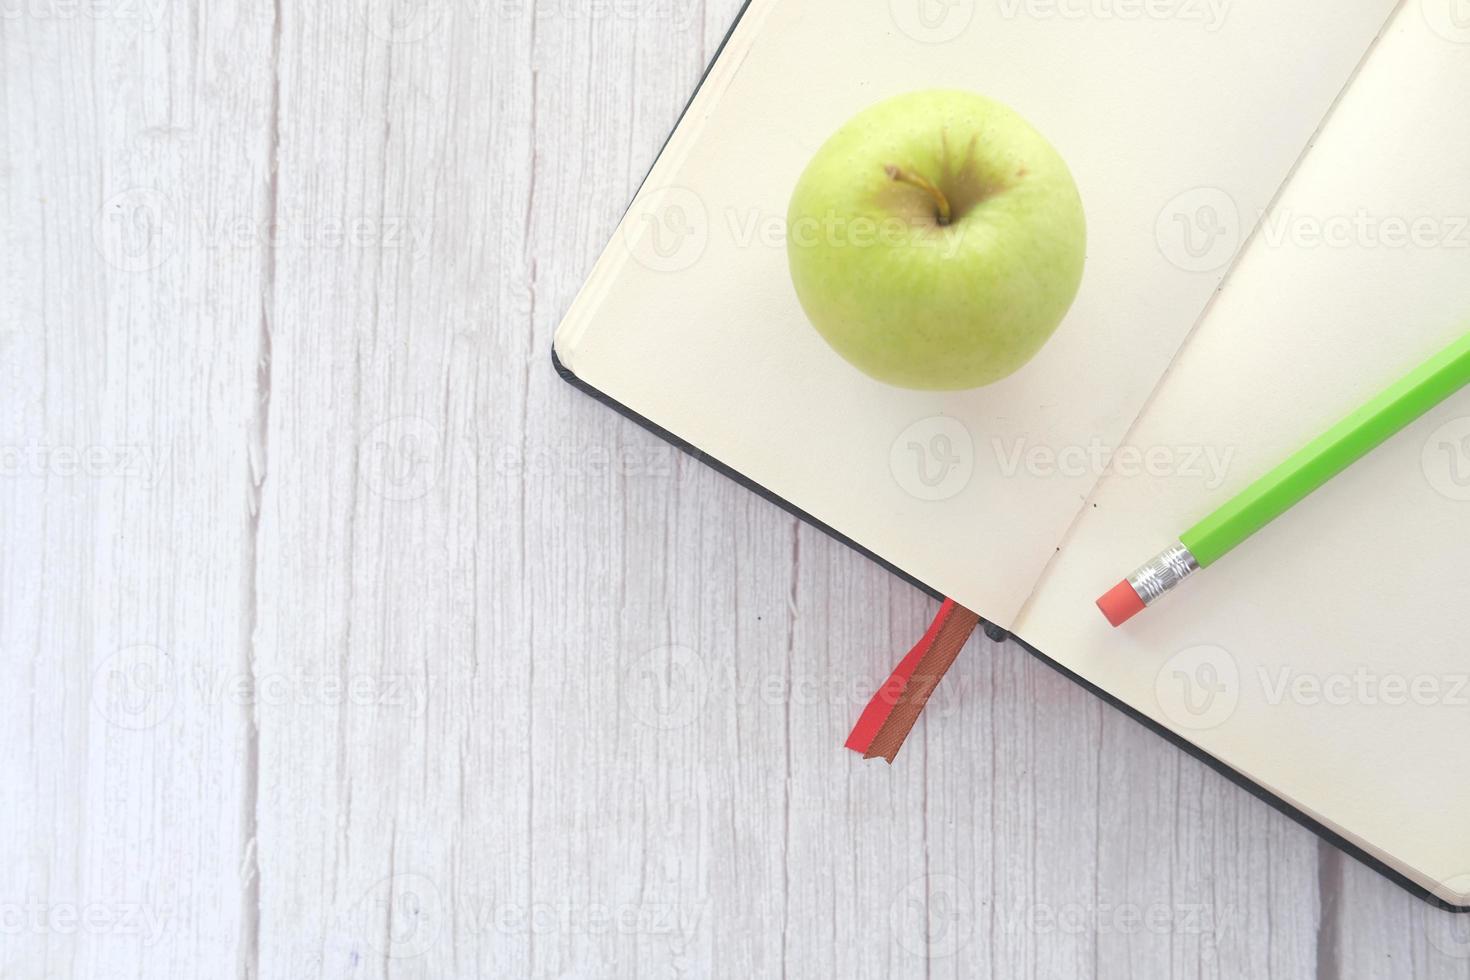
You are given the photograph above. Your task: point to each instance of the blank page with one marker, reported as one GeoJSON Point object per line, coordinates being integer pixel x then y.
{"type": "Point", "coordinates": [1163, 111]}
{"type": "Point", "coordinates": [1328, 658]}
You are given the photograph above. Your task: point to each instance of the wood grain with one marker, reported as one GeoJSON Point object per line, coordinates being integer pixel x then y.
{"type": "Point", "coordinates": [341, 638]}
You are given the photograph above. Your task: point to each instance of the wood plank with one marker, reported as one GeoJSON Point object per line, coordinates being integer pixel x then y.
{"type": "Point", "coordinates": [394, 549]}
{"type": "Point", "coordinates": [128, 358]}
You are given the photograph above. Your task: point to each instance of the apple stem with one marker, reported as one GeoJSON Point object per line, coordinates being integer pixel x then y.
{"type": "Point", "coordinates": [921, 182]}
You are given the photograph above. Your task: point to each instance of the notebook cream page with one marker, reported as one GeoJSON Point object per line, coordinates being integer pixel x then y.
{"type": "Point", "coordinates": [1329, 656]}
{"type": "Point", "coordinates": [1180, 120]}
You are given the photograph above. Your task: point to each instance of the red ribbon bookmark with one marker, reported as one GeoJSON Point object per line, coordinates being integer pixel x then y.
{"type": "Point", "coordinates": [895, 709]}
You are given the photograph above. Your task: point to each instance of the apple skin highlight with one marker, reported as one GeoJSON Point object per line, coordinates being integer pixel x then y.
{"type": "Point", "coordinates": [912, 300]}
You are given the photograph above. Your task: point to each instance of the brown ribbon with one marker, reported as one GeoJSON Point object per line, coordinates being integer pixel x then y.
{"type": "Point", "coordinates": [895, 709]}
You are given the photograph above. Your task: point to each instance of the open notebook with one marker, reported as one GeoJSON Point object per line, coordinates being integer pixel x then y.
{"type": "Point", "coordinates": [1277, 197]}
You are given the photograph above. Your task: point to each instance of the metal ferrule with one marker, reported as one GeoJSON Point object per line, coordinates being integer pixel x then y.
{"type": "Point", "coordinates": [1163, 573]}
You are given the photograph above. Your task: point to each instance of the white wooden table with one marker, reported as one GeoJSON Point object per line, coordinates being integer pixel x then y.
{"type": "Point", "coordinates": [341, 638]}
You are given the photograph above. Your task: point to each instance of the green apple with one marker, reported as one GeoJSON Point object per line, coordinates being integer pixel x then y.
{"type": "Point", "coordinates": [936, 240]}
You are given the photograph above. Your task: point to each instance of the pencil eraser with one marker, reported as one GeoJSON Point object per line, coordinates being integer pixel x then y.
{"type": "Point", "coordinates": [1120, 604]}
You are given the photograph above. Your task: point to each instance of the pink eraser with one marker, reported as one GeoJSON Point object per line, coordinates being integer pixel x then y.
{"type": "Point", "coordinates": [1120, 604]}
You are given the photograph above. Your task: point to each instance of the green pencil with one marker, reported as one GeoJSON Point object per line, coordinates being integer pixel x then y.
{"type": "Point", "coordinates": [1279, 490]}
